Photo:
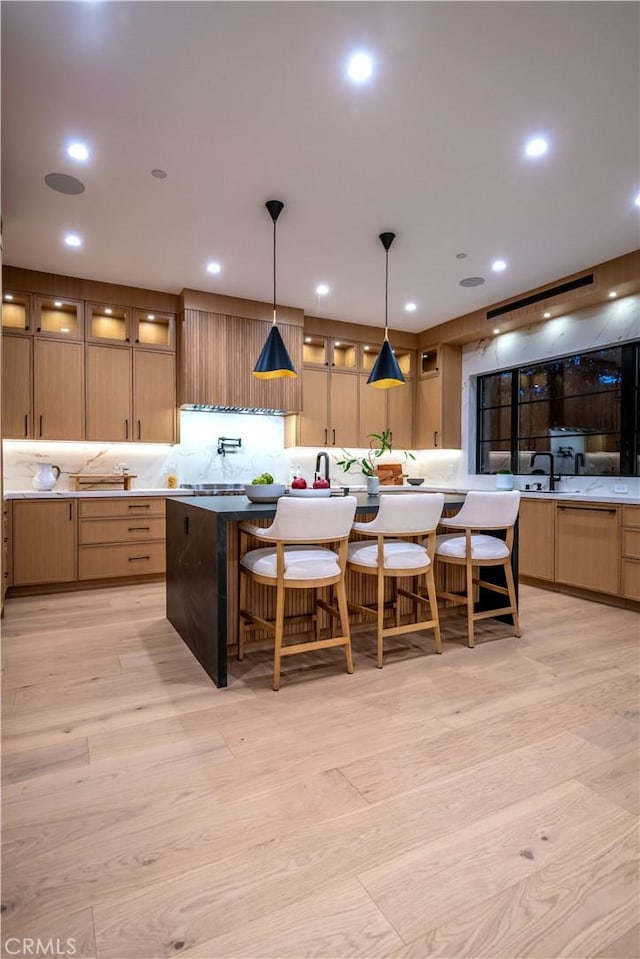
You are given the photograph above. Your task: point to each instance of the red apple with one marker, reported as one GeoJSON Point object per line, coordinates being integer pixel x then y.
{"type": "Point", "coordinates": [321, 484]}
{"type": "Point", "coordinates": [298, 482]}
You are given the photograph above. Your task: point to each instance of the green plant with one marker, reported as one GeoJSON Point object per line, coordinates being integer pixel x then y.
{"type": "Point", "coordinates": [508, 472]}
{"type": "Point", "coordinates": [379, 443]}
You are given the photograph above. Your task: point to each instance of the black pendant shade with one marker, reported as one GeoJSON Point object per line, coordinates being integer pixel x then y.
{"type": "Point", "coordinates": [386, 372]}
{"type": "Point", "coordinates": [274, 360]}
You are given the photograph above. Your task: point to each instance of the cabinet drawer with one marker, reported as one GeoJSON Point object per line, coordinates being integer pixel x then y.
{"type": "Point", "coordinates": [631, 543]}
{"type": "Point", "coordinates": [130, 530]}
{"type": "Point", "coordinates": [135, 559]}
{"type": "Point", "coordinates": [630, 579]}
{"type": "Point", "coordinates": [631, 516]}
{"type": "Point", "coordinates": [126, 506]}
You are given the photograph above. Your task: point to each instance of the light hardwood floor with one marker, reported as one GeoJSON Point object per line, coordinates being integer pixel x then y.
{"type": "Point", "coordinates": [482, 803]}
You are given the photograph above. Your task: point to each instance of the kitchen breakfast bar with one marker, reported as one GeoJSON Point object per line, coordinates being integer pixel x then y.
{"type": "Point", "coordinates": [202, 569]}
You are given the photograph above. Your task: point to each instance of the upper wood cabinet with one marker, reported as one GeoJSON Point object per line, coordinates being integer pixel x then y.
{"type": "Point", "coordinates": [107, 324]}
{"type": "Point", "coordinates": [16, 313]}
{"type": "Point", "coordinates": [154, 397]}
{"type": "Point", "coordinates": [369, 354]}
{"type": "Point", "coordinates": [329, 417]}
{"type": "Point", "coordinates": [58, 317]}
{"type": "Point", "coordinates": [17, 387]}
{"type": "Point", "coordinates": [439, 401]}
{"type": "Point", "coordinates": [401, 415]}
{"type": "Point", "coordinates": [216, 356]}
{"type": "Point", "coordinates": [330, 352]}
{"type": "Point", "coordinates": [58, 389]}
{"type": "Point", "coordinates": [153, 331]}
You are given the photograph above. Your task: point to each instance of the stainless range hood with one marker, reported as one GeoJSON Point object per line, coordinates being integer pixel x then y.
{"type": "Point", "coordinates": [204, 408]}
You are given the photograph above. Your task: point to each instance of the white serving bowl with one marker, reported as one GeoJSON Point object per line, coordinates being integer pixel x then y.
{"type": "Point", "coordinates": [310, 492]}
{"type": "Point", "coordinates": [264, 492]}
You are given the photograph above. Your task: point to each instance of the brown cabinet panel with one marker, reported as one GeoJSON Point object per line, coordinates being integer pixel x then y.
{"type": "Point", "coordinates": [313, 425]}
{"type": "Point", "coordinates": [630, 579]}
{"type": "Point", "coordinates": [17, 387]}
{"type": "Point", "coordinates": [588, 547]}
{"type": "Point", "coordinates": [108, 397]}
{"type": "Point", "coordinates": [374, 412]}
{"type": "Point", "coordinates": [401, 415]}
{"type": "Point", "coordinates": [124, 507]}
{"type": "Point", "coordinates": [343, 409]}
{"type": "Point", "coordinates": [440, 401]}
{"type": "Point", "coordinates": [154, 397]}
{"type": "Point", "coordinates": [44, 541]}
{"type": "Point", "coordinates": [134, 559]}
{"type": "Point", "coordinates": [429, 413]}
{"type": "Point", "coordinates": [58, 376]}
{"type": "Point", "coordinates": [203, 358]}
{"type": "Point", "coordinates": [536, 539]}
{"type": "Point", "coordinates": [130, 530]}
{"type": "Point", "coordinates": [59, 317]}
{"type": "Point", "coordinates": [153, 330]}
{"type": "Point", "coordinates": [631, 543]}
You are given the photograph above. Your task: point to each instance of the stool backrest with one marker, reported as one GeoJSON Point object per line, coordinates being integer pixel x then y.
{"type": "Point", "coordinates": [407, 513]}
{"type": "Point", "coordinates": [490, 510]}
{"type": "Point", "coordinates": [310, 520]}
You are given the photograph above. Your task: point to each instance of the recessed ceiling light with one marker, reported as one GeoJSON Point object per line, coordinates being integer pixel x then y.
{"type": "Point", "coordinates": [57, 303]}
{"type": "Point", "coordinates": [547, 315]}
{"type": "Point", "coordinates": [536, 147]}
{"type": "Point", "coordinates": [322, 289]}
{"type": "Point", "coordinates": [108, 311]}
{"type": "Point", "coordinates": [498, 266]}
{"type": "Point", "coordinates": [151, 316]}
{"type": "Point", "coordinates": [338, 343]}
{"type": "Point", "coordinates": [307, 339]}
{"type": "Point", "coordinates": [72, 239]}
{"type": "Point", "coordinates": [359, 67]}
{"type": "Point", "coordinates": [64, 329]}
{"type": "Point", "coordinates": [78, 151]}
{"type": "Point", "coordinates": [367, 347]}
{"type": "Point", "coordinates": [496, 331]}
{"type": "Point", "coordinates": [410, 307]}
{"type": "Point", "coordinates": [638, 200]}
{"type": "Point", "coordinates": [612, 295]}
{"type": "Point", "coordinates": [8, 296]}
{"type": "Point", "coordinates": [213, 267]}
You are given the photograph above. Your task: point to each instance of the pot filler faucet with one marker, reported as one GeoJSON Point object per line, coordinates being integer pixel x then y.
{"type": "Point", "coordinates": [552, 475]}
{"type": "Point", "coordinates": [324, 457]}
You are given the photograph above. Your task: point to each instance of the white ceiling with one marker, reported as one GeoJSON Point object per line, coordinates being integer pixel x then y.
{"type": "Point", "coordinates": [242, 102]}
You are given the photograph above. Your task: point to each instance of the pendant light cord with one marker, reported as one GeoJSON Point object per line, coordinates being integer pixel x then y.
{"type": "Point", "coordinates": [274, 273]}
{"type": "Point", "coordinates": [386, 293]}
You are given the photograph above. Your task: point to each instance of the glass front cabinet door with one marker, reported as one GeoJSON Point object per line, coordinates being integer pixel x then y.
{"type": "Point", "coordinates": [153, 330]}
{"type": "Point", "coordinates": [16, 312]}
{"type": "Point", "coordinates": [58, 317]}
{"type": "Point", "coordinates": [106, 323]}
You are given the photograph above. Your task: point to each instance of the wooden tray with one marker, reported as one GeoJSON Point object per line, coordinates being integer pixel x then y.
{"type": "Point", "coordinates": [390, 474]}
{"type": "Point", "coordinates": [103, 479]}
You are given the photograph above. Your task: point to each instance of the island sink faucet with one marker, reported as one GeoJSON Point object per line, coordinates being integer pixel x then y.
{"type": "Point", "coordinates": [323, 457]}
{"type": "Point", "coordinates": [553, 479]}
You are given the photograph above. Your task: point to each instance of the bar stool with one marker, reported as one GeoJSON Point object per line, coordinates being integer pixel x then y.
{"type": "Point", "coordinates": [481, 511]}
{"type": "Point", "coordinates": [401, 517]}
{"type": "Point", "coordinates": [290, 562]}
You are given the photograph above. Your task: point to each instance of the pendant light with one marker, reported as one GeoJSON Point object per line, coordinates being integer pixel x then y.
{"type": "Point", "coordinates": [386, 372]}
{"type": "Point", "coordinates": [274, 361]}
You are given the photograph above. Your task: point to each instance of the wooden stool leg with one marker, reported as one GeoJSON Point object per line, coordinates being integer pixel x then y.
{"type": "Point", "coordinates": [341, 594]}
{"type": "Point", "coordinates": [396, 601]}
{"type": "Point", "coordinates": [511, 586]}
{"type": "Point", "coordinates": [470, 604]}
{"type": "Point", "coordinates": [241, 622]}
{"type": "Point", "coordinates": [380, 617]}
{"type": "Point", "coordinates": [316, 616]}
{"type": "Point", "coordinates": [277, 655]}
{"type": "Point", "coordinates": [433, 604]}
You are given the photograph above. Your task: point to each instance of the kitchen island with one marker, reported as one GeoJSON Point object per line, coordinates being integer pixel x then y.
{"type": "Point", "coordinates": [202, 569]}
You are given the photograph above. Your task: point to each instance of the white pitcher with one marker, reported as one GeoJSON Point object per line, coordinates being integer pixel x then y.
{"type": "Point", "coordinates": [46, 476]}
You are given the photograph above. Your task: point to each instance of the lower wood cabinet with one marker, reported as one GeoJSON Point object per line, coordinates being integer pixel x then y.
{"type": "Point", "coordinates": [631, 552]}
{"type": "Point", "coordinates": [536, 539]}
{"type": "Point", "coordinates": [121, 537]}
{"type": "Point", "coordinates": [45, 541]}
{"type": "Point", "coordinates": [588, 546]}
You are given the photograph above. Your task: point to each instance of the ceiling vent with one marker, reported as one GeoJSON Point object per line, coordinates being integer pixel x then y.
{"type": "Point", "coordinates": [542, 295]}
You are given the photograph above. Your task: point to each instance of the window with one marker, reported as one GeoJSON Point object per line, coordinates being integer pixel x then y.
{"type": "Point", "coordinates": [583, 409]}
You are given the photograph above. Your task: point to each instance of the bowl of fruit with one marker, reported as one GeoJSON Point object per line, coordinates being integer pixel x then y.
{"type": "Point", "coordinates": [300, 487]}
{"type": "Point", "coordinates": [263, 489]}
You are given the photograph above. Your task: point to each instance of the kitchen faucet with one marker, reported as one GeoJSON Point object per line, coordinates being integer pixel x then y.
{"type": "Point", "coordinates": [552, 475]}
{"type": "Point", "coordinates": [324, 456]}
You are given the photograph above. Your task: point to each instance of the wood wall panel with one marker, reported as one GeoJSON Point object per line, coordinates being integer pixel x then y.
{"type": "Point", "coordinates": [236, 306]}
{"type": "Point", "coordinates": [203, 358]}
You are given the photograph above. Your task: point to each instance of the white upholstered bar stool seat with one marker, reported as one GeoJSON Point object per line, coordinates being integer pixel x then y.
{"type": "Point", "coordinates": [295, 559]}
{"type": "Point", "coordinates": [472, 548]}
{"type": "Point", "coordinates": [401, 518]}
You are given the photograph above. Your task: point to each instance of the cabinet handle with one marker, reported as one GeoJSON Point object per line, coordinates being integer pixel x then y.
{"type": "Point", "coordinates": [591, 509]}
{"type": "Point", "coordinates": [37, 329]}
{"type": "Point", "coordinates": [326, 436]}
{"type": "Point", "coordinates": [138, 429]}
{"type": "Point", "coordinates": [26, 424]}
{"type": "Point", "coordinates": [133, 559]}
{"type": "Point", "coordinates": [334, 436]}
{"type": "Point", "coordinates": [139, 529]}
{"type": "Point", "coordinates": [126, 429]}
{"type": "Point", "coordinates": [435, 438]}
{"type": "Point", "coordinates": [70, 511]}
{"type": "Point", "coordinates": [139, 505]}
{"type": "Point", "coordinates": [186, 526]}
{"type": "Point", "coordinates": [40, 419]}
